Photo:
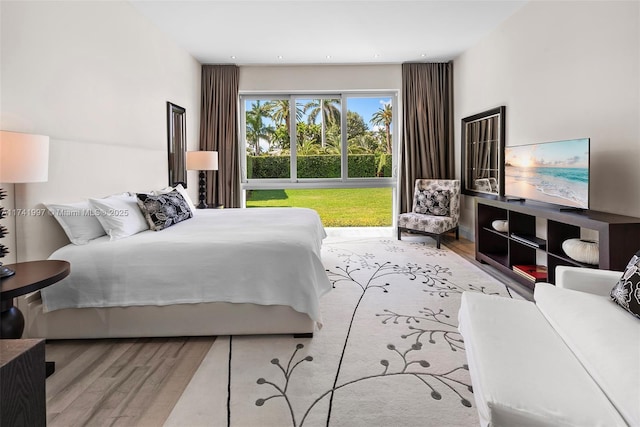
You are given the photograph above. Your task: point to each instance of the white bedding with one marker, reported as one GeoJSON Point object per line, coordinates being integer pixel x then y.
{"type": "Point", "coordinates": [266, 256]}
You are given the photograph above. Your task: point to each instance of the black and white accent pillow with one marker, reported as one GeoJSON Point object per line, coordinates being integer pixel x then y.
{"type": "Point", "coordinates": [626, 293]}
{"type": "Point", "coordinates": [164, 210]}
{"type": "Point", "coordinates": [433, 202]}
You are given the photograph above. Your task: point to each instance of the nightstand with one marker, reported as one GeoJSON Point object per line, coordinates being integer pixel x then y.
{"type": "Point", "coordinates": [30, 277]}
{"type": "Point", "coordinates": [22, 383]}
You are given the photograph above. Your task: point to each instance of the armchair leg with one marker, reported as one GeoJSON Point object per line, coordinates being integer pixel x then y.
{"type": "Point", "coordinates": [457, 233]}
{"type": "Point", "coordinates": [438, 241]}
{"type": "Point", "coordinates": [399, 233]}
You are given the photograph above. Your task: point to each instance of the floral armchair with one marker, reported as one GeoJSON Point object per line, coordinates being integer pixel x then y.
{"type": "Point", "coordinates": [435, 211]}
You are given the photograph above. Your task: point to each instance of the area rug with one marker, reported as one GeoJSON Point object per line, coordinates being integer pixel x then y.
{"type": "Point", "coordinates": [389, 352]}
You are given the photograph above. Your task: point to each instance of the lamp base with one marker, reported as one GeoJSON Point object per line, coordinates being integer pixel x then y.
{"type": "Point", "coordinates": [5, 272]}
{"type": "Point", "coordinates": [202, 191]}
{"type": "Point", "coordinates": [12, 325]}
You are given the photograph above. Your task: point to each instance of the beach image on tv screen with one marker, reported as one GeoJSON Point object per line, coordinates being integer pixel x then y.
{"type": "Point", "coordinates": [552, 172]}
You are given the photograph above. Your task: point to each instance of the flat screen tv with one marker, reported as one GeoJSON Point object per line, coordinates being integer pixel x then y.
{"type": "Point", "coordinates": [550, 172]}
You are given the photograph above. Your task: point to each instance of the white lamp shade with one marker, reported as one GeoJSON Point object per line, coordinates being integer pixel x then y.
{"type": "Point", "coordinates": [23, 157]}
{"type": "Point", "coordinates": [202, 160]}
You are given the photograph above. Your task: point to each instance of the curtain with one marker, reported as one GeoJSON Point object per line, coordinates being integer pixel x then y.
{"type": "Point", "coordinates": [427, 145]}
{"type": "Point", "coordinates": [484, 137]}
{"type": "Point", "coordinates": [219, 132]}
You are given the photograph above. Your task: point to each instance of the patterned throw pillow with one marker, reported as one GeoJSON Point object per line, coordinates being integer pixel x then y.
{"type": "Point", "coordinates": [433, 202]}
{"type": "Point", "coordinates": [164, 210]}
{"type": "Point", "coordinates": [626, 293]}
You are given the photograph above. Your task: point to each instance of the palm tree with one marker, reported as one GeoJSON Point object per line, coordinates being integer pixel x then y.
{"type": "Point", "coordinates": [280, 112]}
{"type": "Point", "coordinates": [330, 109]}
{"type": "Point", "coordinates": [307, 148]}
{"type": "Point", "coordinates": [256, 129]}
{"type": "Point", "coordinates": [384, 117]}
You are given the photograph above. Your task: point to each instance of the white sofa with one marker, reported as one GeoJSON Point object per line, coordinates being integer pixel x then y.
{"type": "Point", "coordinates": [572, 358]}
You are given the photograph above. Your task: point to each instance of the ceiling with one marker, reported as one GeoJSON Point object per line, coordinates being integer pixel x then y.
{"type": "Point", "coordinates": [267, 32]}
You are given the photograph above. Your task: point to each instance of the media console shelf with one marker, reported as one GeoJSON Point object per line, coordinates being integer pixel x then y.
{"type": "Point", "coordinates": [618, 236]}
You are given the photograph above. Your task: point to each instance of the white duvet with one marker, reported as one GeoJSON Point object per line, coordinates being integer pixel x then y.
{"type": "Point", "coordinates": [266, 256]}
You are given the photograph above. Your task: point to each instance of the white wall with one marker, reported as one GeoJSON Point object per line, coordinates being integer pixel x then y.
{"type": "Point", "coordinates": [320, 78]}
{"type": "Point", "coordinates": [97, 74]}
{"type": "Point", "coordinates": [564, 70]}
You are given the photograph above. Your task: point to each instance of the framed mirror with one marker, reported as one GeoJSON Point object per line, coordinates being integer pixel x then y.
{"type": "Point", "coordinates": [483, 136]}
{"type": "Point", "coordinates": [177, 144]}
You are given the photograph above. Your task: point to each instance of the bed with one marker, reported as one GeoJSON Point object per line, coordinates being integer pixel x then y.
{"type": "Point", "coordinates": [223, 272]}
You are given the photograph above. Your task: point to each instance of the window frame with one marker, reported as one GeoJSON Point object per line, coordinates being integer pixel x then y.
{"type": "Point", "coordinates": [309, 183]}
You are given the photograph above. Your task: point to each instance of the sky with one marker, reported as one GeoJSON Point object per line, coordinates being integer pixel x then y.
{"type": "Point", "coordinates": [572, 153]}
{"type": "Point", "coordinates": [366, 107]}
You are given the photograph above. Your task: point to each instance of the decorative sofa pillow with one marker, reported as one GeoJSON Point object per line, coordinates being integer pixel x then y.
{"type": "Point", "coordinates": [626, 293]}
{"type": "Point", "coordinates": [180, 189]}
{"type": "Point", "coordinates": [78, 220]}
{"type": "Point", "coordinates": [433, 202]}
{"type": "Point", "coordinates": [164, 210]}
{"type": "Point", "coordinates": [119, 215]}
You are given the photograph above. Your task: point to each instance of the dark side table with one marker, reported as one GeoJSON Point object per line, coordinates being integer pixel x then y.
{"type": "Point", "coordinates": [30, 276]}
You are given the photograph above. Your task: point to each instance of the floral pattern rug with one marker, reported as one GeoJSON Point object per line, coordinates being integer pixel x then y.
{"type": "Point", "coordinates": [389, 352]}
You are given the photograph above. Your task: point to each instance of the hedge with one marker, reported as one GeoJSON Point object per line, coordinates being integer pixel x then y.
{"type": "Point", "coordinates": [318, 166]}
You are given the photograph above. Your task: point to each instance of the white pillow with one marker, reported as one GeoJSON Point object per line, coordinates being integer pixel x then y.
{"type": "Point", "coordinates": [78, 221]}
{"type": "Point", "coordinates": [119, 215]}
{"type": "Point", "coordinates": [182, 192]}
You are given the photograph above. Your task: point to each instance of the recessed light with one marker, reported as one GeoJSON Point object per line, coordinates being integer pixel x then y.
{"type": "Point", "coordinates": [328, 56]}
{"type": "Point", "coordinates": [376, 55]}
{"type": "Point", "coordinates": [233, 57]}
{"type": "Point", "coordinates": [279, 56]}
{"type": "Point", "coordinates": [423, 55]}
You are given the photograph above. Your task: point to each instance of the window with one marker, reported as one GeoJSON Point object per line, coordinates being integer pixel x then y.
{"type": "Point", "coordinates": [369, 132]}
{"type": "Point", "coordinates": [298, 141]}
{"type": "Point", "coordinates": [266, 138]}
{"type": "Point", "coordinates": [318, 137]}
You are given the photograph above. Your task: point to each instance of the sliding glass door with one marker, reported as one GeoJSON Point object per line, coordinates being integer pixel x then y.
{"type": "Point", "coordinates": [318, 141]}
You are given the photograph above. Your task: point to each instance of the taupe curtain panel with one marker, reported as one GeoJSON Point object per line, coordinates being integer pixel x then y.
{"type": "Point", "coordinates": [427, 145]}
{"type": "Point", "coordinates": [219, 132]}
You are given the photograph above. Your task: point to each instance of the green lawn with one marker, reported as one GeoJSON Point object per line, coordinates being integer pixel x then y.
{"type": "Point", "coordinates": [338, 207]}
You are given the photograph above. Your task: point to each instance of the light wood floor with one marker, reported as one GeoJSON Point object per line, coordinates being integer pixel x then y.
{"type": "Point", "coordinates": [125, 382]}
{"type": "Point", "coordinates": [136, 382]}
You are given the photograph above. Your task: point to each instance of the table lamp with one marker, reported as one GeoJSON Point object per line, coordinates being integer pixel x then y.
{"type": "Point", "coordinates": [202, 161]}
{"type": "Point", "coordinates": [23, 158]}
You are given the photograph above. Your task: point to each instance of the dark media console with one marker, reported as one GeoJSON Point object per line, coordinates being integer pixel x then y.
{"type": "Point", "coordinates": [530, 239]}
{"type": "Point", "coordinates": [618, 236]}
{"type": "Point", "coordinates": [579, 210]}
